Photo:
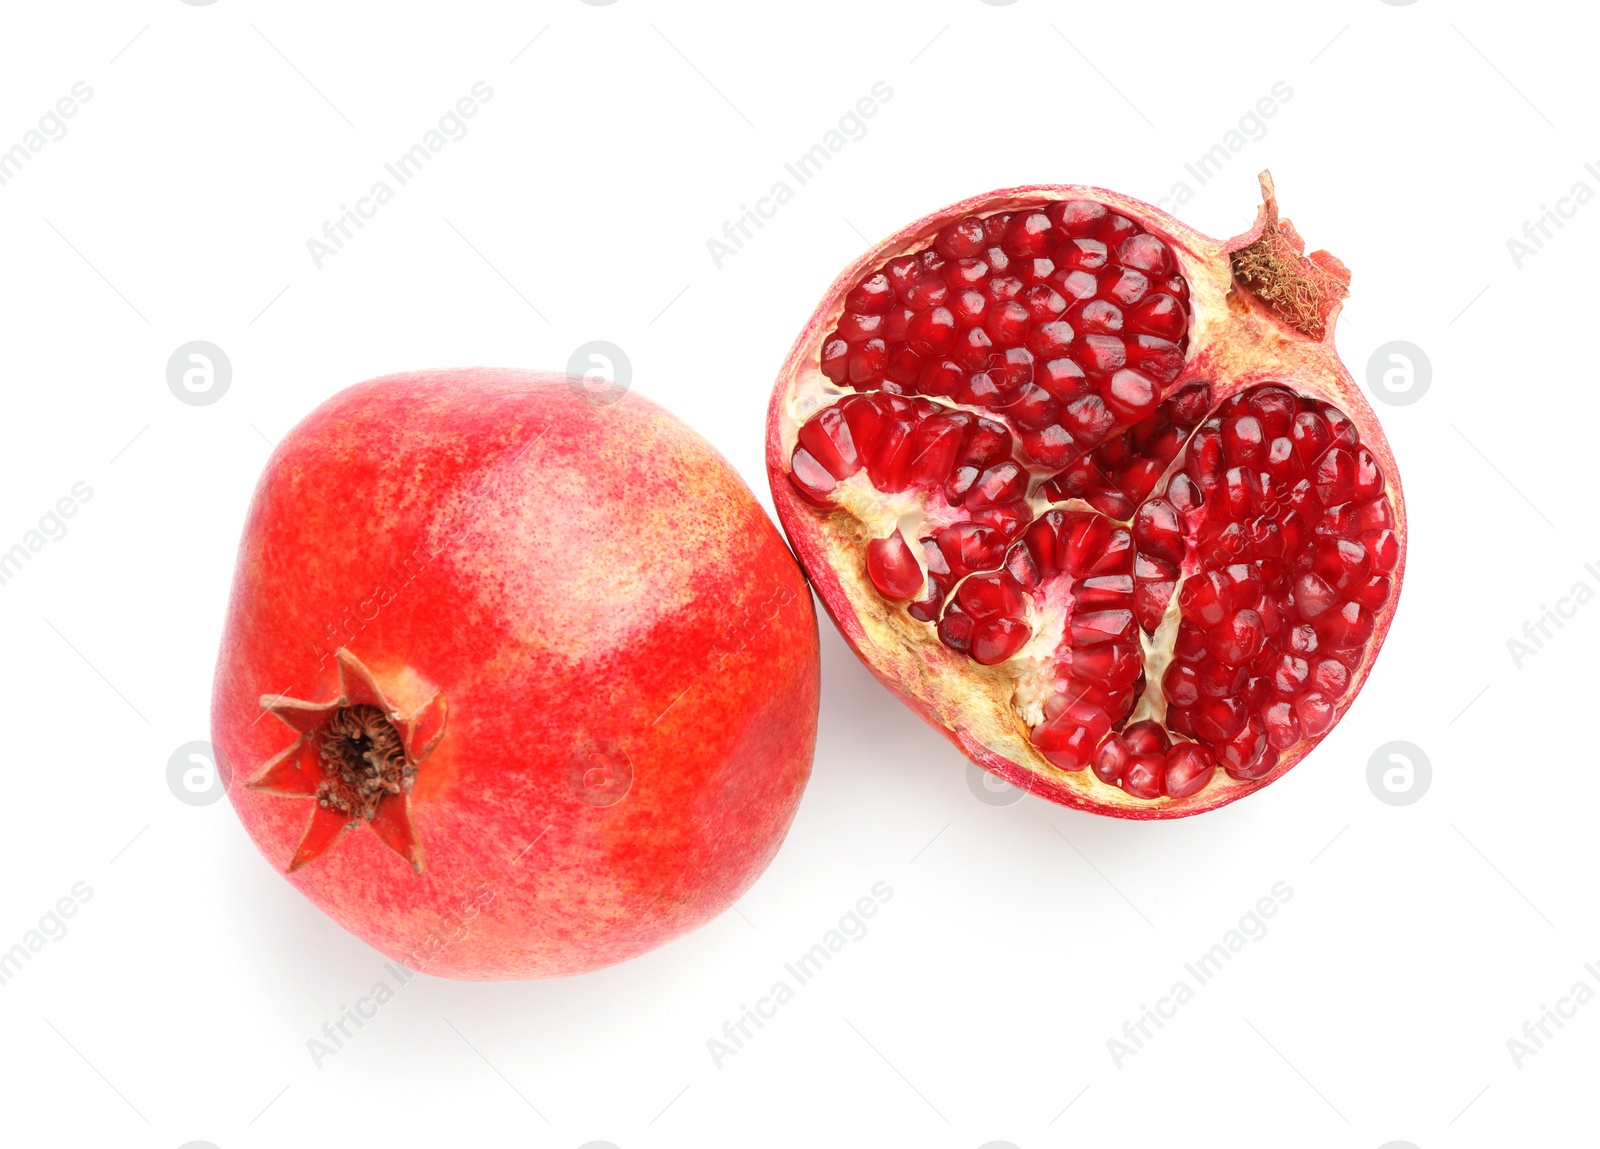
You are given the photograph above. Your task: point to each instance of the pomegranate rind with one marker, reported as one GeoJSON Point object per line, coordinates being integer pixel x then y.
{"type": "Point", "coordinates": [1236, 342]}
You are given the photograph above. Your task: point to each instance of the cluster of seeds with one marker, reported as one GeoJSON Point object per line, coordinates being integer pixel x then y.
{"type": "Point", "coordinates": [1014, 379]}
{"type": "Point", "coordinates": [1069, 319]}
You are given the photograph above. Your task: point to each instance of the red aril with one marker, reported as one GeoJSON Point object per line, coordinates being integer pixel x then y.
{"type": "Point", "coordinates": [514, 684]}
{"type": "Point", "coordinates": [1068, 474]}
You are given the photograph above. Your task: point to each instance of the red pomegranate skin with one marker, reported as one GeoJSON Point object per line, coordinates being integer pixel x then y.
{"type": "Point", "coordinates": [568, 576]}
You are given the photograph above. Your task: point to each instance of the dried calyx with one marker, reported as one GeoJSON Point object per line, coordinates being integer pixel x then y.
{"type": "Point", "coordinates": [357, 754]}
{"type": "Point", "coordinates": [365, 758]}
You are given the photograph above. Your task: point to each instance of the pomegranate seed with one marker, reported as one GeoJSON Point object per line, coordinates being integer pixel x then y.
{"type": "Point", "coordinates": [1036, 270]}
{"type": "Point", "coordinates": [1053, 340]}
{"type": "Point", "coordinates": [1189, 767]}
{"type": "Point", "coordinates": [960, 239]}
{"type": "Point", "coordinates": [997, 639]}
{"type": "Point", "coordinates": [1146, 253]}
{"type": "Point", "coordinates": [1219, 679]}
{"type": "Point", "coordinates": [971, 547]}
{"type": "Point", "coordinates": [1206, 598]}
{"type": "Point", "coordinates": [1258, 767]}
{"type": "Point", "coordinates": [1147, 738]}
{"type": "Point", "coordinates": [1144, 775]}
{"type": "Point", "coordinates": [811, 478]}
{"type": "Point", "coordinates": [1103, 592]}
{"type": "Point", "coordinates": [1110, 664]}
{"type": "Point", "coordinates": [1313, 597]}
{"type": "Point", "coordinates": [1102, 626]}
{"type": "Point", "coordinates": [1096, 317]}
{"type": "Point", "coordinates": [1033, 408]}
{"type": "Point", "coordinates": [1007, 323]}
{"type": "Point", "coordinates": [1191, 644]}
{"type": "Point", "coordinates": [1042, 302]}
{"type": "Point", "coordinates": [1283, 725]}
{"type": "Point", "coordinates": [1159, 315]}
{"type": "Point", "coordinates": [1240, 751]}
{"type": "Point", "coordinates": [859, 328]}
{"type": "Point", "coordinates": [1244, 441]}
{"type": "Point", "coordinates": [1311, 436]}
{"type": "Point", "coordinates": [1102, 354]}
{"type": "Point", "coordinates": [1275, 407]}
{"type": "Point", "coordinates": [1123, 284]}
{"type": "Point", "coordinates": [1161, 359]}
{"type": "Point", "coordinates": [1238, 639]}
{"type": "Point", "coordinates": [1349, 625]}
{"type": "Point", "coordinates": [893, 568]}
{"type": "Point", "coordinates": [827, 440]}
{"type": "Point", "coordinates": [1303, 640]}
{"type": "Point", "coordinates": [1088, 419]}
{"type": "Point", "coordinates": [1384, 548]}
{"type": "Point", "coordinates": [868, 361]}
{"type": "Point", "coordinates": [1131, 395]}
{"type": "Point", "coordinates": [1289, 675]}
{"type": "Point", "coordinates": [1180, 684]}
{"type": "Point", "coordinates": [1051, 446]}
{"type": "Point", "coordinates": [1077, 216]}
{"type": "Point", "coordinates": [1219, 719]}
{"type": "Point", "coordinates": [1028, 233]}
{"type": "Point", "coordinates": [1081, 255]}
{"type": "Point", "coordinates": [1111, 760]}
{"type": "Point", "coordinates": [1335, 477]}
{"type": "Point", "coordinates": [1158, 531]}
{"type": "Point", "coordinates": [936, 446]}
{"type": "Point", "coordinates": [1343, 430]}
{"type": "Point", "coordinates": [1342, 563]}
{"type": "Point", "coordinates": [903, 271]}
{"type": "Point", "coordinates": [962, 273]}
{"type": "Point", "coordinates": [928, 292]}
{"type": "Point", "coordinates": [1069, 739]}
{"type": "Point", "coordinates": [985, 595]}
{"type": "Point", "coordinates": [1315, 712]}
{"type": "Point", "coordinates": [1116, 228]}
{"type": "Point", "coordinates": [1021, 567]}
{"type": "Point", "coordinates": [980, 389]}
{"type": "Point", "coordinates": [1082, 540]}
{"type": "Point", "coordinates": [931, 333]}
{"type": "Point", "coordinates": [1075, 284]}
{"type": "Point", "coordinates": [999, 484]}
{"type": "Point", "coordinates": [1373, 593]}
{"type": "Point", "coordinates": [1149, 602]}
{"type": "Point", "coordinates": [1375, 516]}
{"type": "Point", "coordinates": [1330, 677]}
{"type": "Point", "coordinates": [871, 296]}
{"type": "Point", "coordinates": [955, 631]}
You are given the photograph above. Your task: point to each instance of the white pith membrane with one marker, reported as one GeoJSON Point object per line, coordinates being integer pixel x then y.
{"type": "Point", "coordinates": [995, 708]}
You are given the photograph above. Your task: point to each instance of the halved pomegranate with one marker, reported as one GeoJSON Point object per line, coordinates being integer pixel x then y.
{"type": "Point", "coordinates": [1094, 494]}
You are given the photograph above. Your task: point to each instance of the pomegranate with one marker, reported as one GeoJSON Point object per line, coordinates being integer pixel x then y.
{"type": "Point", "coordinates": [513, 684]}
{"type": "Point", "coordinates": [1093, 493]}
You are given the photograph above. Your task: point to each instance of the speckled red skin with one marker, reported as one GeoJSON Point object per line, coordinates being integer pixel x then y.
{"type": "Point", "coordinates": [1255, 348]}
{"type": "Point", "coordinates": [601, 574]}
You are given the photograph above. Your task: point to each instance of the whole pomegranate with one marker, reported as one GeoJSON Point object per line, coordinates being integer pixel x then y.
{"type": "Point", "coordinates": [513, 684]}
{"type": "Point", "coordinates": [1094, 494]}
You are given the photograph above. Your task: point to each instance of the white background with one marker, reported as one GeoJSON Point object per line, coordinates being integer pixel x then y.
{"type": "Point", "coordinates": [1020, 937]}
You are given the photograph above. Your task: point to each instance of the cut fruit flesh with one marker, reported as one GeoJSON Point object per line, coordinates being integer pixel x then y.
{"type": "Point", "coordinates": [1022, 433]}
